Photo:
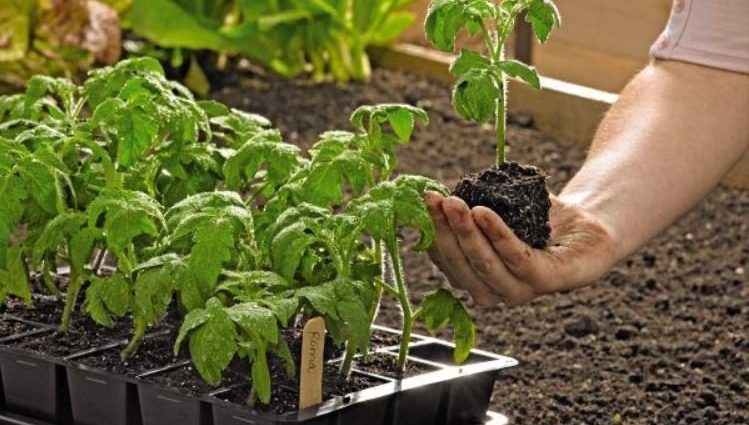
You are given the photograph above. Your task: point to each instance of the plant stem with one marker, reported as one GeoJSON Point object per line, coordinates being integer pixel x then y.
{"type": "Point", "coordinates": [348, 359]}
{"type": "Point", "coordinates": [501, 118]}
{"type": "Point", "coordinates": [406, 309]}
{"type": "Point", "coordinates": [138, 334]}
{"type": "Point", "coordinates": [501, 122]}
{"type": "Point", "coordinates": [76, 281]}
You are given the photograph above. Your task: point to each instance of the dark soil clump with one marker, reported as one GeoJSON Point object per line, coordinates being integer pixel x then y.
{"type": "Point", "coordinates": [517, 193]}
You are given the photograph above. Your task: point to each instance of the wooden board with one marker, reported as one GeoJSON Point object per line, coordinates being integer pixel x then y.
{"type": "Point", "coordinates": [601, 43]}
{"type": "Point", "coordinates": [569, 112]}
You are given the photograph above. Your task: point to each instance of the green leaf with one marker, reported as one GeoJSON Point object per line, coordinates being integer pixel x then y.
{"type": "Point", "coordinates": [55, 234]}
{"type": "Point", "coordinates": [283, 308]}
{"type": "Point", "coordinates": [127, 215]}
{"type": "Point", "coordinates": [81, 247]}
{"type": "Point", "coordinates": [397, 203]}
{"type": "Point", "coordinates": [288, 247]}
{"type": "Point", "coordinates": [214, 245]}
{"type": "Point", "coordinates": [255, 319]}
{"type": "Point", "coordinates": [522, 71]}
{"type": "Point", "coordinates": [476, 95]}
{"type": "Point", "coordinates": [41, 184]}
{"type": "Point", "coordinates": [445, 19]}
{"type": "Point", "coordinates": [14, 278]}
{"type": "Point", "coordinates": [440, 308]}
{"type": "Point", "coordinates": [192, 321]}
{"type": "Point", "coordinates": [401, 117]}
{"type": "Point", "coordinates": [154, 289]}
{"type": "Point", "coordinates": [321, 298]}
{"type": "Point", "coordinates": [280, 159]}
{"type": "Point", "coordinates": [354, 313]}
{"type": "Point", "coordinates": [169, 24]}
{"type": "Point", "coordinates": [543, 16]}
{"type": "Point", "coordinates": [213, 344]}
{"type": "Point", "coordinates": [468, 61]}
{"type": "Point", "coordinates": [107, 297]}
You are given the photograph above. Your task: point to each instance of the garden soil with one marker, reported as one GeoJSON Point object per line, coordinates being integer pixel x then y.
{"type": "Point", "coordinates": [662, 339]}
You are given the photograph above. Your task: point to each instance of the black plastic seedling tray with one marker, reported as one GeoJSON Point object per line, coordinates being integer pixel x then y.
{"type": "Point", "coordinates": [63, 392]}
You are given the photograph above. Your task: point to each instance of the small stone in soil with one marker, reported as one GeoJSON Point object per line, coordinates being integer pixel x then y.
{"type": "Point", "coordinates": [581, 326]}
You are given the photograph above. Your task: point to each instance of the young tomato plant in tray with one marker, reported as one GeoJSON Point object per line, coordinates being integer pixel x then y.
{"type": "Point", "coordinates": [208, 207]}
{"type": "Point", "coordinates": [514, 191]}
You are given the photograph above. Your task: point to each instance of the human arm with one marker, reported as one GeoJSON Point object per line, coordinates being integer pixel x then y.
{"type": "Point", "coordinates": [676, 129]}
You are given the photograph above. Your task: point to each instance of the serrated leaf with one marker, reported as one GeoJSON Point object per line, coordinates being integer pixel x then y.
{"type": "Point", "coordinates": [56, 233]}
{"type": "Point", "coordinates": [214, 245]}
{"type": "Point", "coordinates": [476, 95]}
{"type": "Point", "coordinates": [213, 344]}
{"type": "Point", "coordinates": [440, 308]}
{"type": "Point", "coordinates": [543, 16]}
{"type": "Point", "coordinates": [40, 181]}
{"type": "Point", "coordinates": [354, 313]}
{"type": "Point", "coordinates": [288, 247]}
{"type": "Point", "coordinates": [255, 319]}
{"type": "Point", "coordinates": [283, 308]}
{"type": "Point", "coordinates": [396, 203]}
{"type": "Point", "coordinates": [322, 299]}
{"type": "Point", "coordinates": [107, 297]}
{"type": "Point", "coordinates": [192, 320]}
{"type": "Point", "coordinates": [127, 215]}
{"type": "Point", "coordinates": [14, 278]}
{"type": "Point", "coordinates": [468, 61]}
{"type": "Point", "coordinates": [154, 289]}
{"type": "Point", "coordinates": [280, 159]}
{"type": "Point", "coordinates": [445, 19]}
{"type": "Point", "coordinates": [522, 71]}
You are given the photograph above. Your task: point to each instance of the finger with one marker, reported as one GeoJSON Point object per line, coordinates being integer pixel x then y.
{"type": "Point", "coordinates": [443, 240]}
{"type": "Point", "coordinates": [460, 264]}
{"type": "Point", "coordinates": [516, 254]}
{"type": "Point", "coordinates": [454, 263]}
{"type": "Point", "coordinates": [482, 257]}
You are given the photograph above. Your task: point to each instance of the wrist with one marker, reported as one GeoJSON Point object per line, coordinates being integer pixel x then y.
{"type": "Point", "coordinates": [602, 226]}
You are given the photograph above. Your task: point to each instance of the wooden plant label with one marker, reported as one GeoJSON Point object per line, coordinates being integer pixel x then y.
{"type": "Point", "coordinates": [313, 346]}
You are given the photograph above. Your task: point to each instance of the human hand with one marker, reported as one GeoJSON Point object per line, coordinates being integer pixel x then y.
{"type": "Point", "coordinates": [479, 253]}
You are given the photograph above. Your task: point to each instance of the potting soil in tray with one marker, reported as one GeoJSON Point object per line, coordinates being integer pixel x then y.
{"type": "Point", "coordinates": [155, 352]}
{"type": "Point", "coordinates": [187, 380]}
{"type": "Point", "coordinates": [384, 364]}
{"type": "Point", "coordinates": [84, 334]}
{"type": "Point", "coordinates": [10, 327]}
{"type": "Point", "coordinates": [285, 390]}
{"type": "Point", "coordinates": [44, 309]}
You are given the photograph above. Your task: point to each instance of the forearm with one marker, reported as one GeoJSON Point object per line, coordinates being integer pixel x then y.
{"type": "Point", "coordinates": [675, 131]}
